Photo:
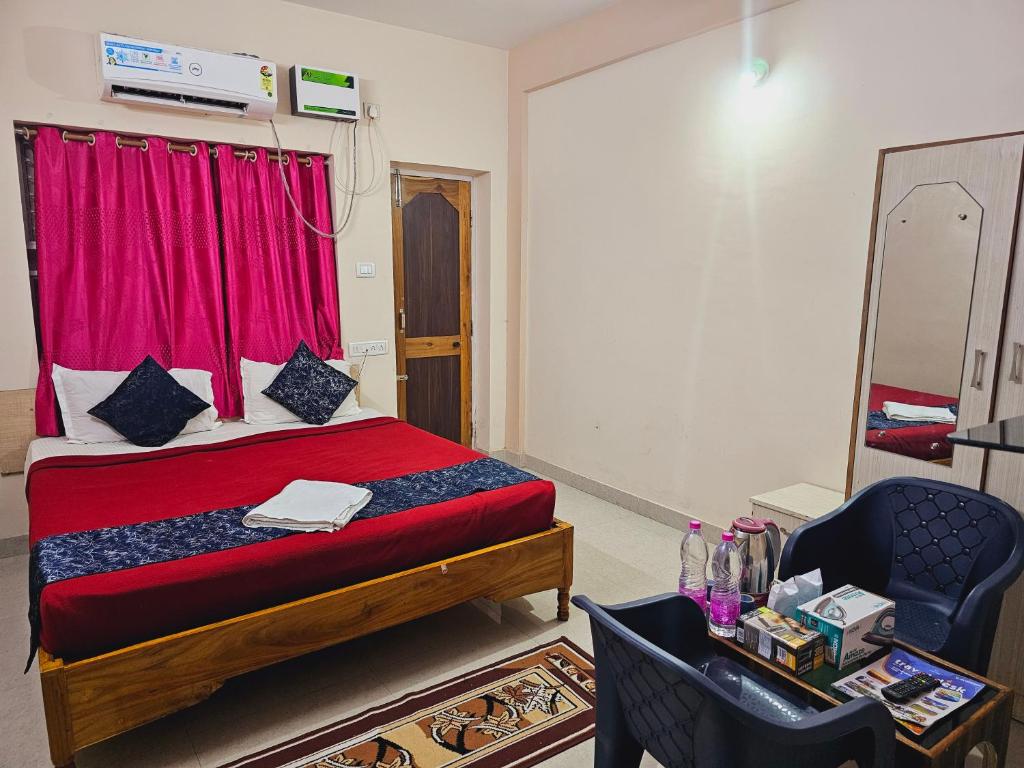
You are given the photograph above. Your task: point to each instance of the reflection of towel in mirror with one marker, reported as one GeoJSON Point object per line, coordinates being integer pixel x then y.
{"type": "Point", "coordinates": [906, 412]}
{"type": "Point", "coordinates": [309, 505]}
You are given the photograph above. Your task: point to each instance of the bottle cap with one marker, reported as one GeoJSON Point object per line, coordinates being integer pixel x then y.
{"type": "Point", "coordinates": [727, 536]}
{"type": "Point", "coordinates": [695, 525]}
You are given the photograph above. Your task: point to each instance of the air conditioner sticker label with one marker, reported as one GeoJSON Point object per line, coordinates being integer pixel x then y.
{"type": "Point", "coordinates": [267, 80]}
{"type": "Point", "coordinates": [121, 54]}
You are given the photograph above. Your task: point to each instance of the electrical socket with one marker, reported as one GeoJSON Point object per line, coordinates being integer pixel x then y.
{"type": "Point", "coordinates": [357, 349]}
{"type": "Point", "coordinates": [371, 110]}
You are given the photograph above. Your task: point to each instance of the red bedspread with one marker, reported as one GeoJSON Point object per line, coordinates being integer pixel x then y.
{"type": "Point", "coordinates": [93, 614]}
{"type": "Point", "coordinates": [927, 442]}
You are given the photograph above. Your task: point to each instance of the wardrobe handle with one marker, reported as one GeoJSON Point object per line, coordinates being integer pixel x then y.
{"type": "Point", "coordinates": [979, 369]}
{"type": "Point", "coordinates": [1017, 364]}
{"type": "Point", "coordinates": [401, 319]}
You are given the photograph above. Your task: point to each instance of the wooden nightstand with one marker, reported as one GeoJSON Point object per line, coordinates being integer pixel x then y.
{"type": "Point", "coordinates": [794, 505]}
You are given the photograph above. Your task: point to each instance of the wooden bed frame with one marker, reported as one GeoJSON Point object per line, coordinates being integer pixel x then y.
{"type": "Point", "coordinates": [93, 699]}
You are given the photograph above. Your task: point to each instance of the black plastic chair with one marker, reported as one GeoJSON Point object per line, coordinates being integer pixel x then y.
{"type": "Point", "coordinates": [943, 553]}
{"type": "Point", "coordinates": [661, 688]}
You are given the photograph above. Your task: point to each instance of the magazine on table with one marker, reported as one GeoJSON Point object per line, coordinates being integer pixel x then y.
{"type": "Point", "coordinates": [920, 714]}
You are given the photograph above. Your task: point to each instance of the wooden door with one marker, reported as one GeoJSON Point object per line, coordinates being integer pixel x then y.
{"type": "Point", "coordinates": [431, 233]}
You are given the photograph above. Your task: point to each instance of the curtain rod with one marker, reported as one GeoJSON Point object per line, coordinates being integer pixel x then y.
{"type": "Point", "coordinates": [126, 141]}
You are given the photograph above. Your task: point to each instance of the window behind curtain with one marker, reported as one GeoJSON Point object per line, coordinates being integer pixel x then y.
{"type": "Point", "coordinates": [315, 261]}
{"type": "Point", "coordinates": [27, 177]}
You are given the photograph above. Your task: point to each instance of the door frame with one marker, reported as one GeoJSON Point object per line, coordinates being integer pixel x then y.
{"type": "Point", "coordinates": [458, 191]}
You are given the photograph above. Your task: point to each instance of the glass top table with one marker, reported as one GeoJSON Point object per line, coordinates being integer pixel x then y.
{"type": "Point", "coordinates": [985, 718]}
{"type": "Point", "coordinates": [1005, 435]}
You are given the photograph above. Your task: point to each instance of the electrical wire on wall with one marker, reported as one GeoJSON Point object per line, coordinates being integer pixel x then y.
{"type": "Point", "coordinates": [376, 149]}
{"type": "Point", "coordinates": [349, 193]}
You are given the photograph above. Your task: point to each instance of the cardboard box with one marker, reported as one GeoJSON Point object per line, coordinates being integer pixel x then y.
{"type": "Point", "coordinates": [854, 622]}
{"type": "Point", "coordinates": [781, 640]}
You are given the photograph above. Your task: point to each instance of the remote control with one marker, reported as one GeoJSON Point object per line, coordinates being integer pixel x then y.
{"type": "Point", "coordinates": [910, 689]}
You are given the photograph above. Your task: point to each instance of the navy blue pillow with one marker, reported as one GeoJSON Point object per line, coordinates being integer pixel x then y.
{"type": "Point", "coordinates": [309, 387]}
{"type": "Point", "coordinates": [149, 407]}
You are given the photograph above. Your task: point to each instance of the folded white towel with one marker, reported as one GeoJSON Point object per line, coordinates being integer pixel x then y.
{"type": "Point", "coordinates": [309, 505]}
{"type": "Point", "coordinates": [906, 412]}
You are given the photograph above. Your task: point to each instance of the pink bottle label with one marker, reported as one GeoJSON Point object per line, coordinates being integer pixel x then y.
{"type": "Point", "coordinates": [725, 611]}
{"type": "Point", "coordinates": [699, 596]}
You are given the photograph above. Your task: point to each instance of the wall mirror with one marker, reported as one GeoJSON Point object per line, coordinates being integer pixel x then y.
{"type": "Point", "coordinates": [929, 258]}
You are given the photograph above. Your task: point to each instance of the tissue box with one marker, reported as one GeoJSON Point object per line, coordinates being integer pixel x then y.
{"type": "Point", "coordinates": [855, 623]}
{"type": "Point", "coordinates": [781, 640]}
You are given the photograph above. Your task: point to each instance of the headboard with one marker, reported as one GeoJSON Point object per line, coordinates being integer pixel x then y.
{"type": "Point", "coordinates": [17, 428]}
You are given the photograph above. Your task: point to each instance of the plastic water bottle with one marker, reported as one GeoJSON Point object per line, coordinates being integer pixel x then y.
{"type": "Point", "coordinates": [725, 592]}
{"type": "Point", "coordinates": [693, 580]}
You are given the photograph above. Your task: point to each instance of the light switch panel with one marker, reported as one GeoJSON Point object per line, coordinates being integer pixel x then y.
{"type": "Point", "coordinates": [357, 349]}
{"type": "Point", "coordinates": [366, 269]}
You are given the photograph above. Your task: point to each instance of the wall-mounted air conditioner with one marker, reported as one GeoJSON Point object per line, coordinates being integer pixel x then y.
{"type": "Point", "coordinates": [143, 72]}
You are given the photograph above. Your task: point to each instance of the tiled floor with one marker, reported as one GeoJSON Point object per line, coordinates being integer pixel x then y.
{"type": "Point", "coordinates": [619, 556]}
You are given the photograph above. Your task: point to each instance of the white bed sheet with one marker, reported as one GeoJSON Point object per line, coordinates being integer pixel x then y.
{"type": "Point", "coordinates": [48, 447]}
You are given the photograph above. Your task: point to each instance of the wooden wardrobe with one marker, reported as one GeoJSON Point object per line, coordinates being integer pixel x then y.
{"type": "Point", "coordinates": [943, 325]}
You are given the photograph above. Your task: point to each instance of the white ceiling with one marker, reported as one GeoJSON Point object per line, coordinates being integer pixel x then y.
{"type": "Point", "coordinates": [498, 23]}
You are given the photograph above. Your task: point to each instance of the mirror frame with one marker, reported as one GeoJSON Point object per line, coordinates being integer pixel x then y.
{"type": "Point", "coordinates": [856, 432]}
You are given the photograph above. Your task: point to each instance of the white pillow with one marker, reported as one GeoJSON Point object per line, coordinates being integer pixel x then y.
{"type": "Point", "coordinates": [78, 391]}
{"type": "Point", "coordinates": [260, 409]}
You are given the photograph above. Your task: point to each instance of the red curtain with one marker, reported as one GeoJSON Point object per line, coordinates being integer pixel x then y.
{"type": "Point", "coordinates": [129, 263]}
{"type": "Point", "coordinates": [280, 276]}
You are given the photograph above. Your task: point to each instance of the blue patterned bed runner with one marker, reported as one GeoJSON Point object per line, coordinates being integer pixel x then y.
{"type": "Point", "coordinates": [104, 550]}
{"type": "Point", "coordinates": [878, 419]}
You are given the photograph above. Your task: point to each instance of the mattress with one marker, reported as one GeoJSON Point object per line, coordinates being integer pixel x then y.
{"type": "Point", "coordinates": [927, 442]}
{"type": "Point", "coordinates": [75, 491]}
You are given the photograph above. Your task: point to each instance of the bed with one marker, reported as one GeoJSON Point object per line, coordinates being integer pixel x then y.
{"type": "Point", "coordinates": [121, 648]}
{"type": "Point", "coordinates": [925, 441]}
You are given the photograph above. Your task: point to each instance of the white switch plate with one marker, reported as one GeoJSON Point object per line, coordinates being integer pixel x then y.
{"type": "Point", "coordinates": [366, 269]}
{"type": "Point", "coordinates": [370, 348]}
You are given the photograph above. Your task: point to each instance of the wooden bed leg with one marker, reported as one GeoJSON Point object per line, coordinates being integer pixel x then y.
{"type": "Point", "coordinates": [563, 604]}
{"type": "Point", "coordinates": [55, 708]}
{"type": "Point", "coordinates": [563, 591]}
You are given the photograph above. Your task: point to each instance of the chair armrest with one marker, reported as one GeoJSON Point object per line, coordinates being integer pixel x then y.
{"type": "Point", "coordinates": [851, 545]}
{"type": "Point", "coordinates": [972, 608]}
{"type": "Point", "coordinates": [671, 622]}
{"type": "Point", "coordinates": [862, 714]}
{"type": "Point", "coordinates": [809, 546]}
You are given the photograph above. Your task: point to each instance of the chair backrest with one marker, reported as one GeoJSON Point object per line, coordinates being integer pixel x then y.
{"type": "Point", "coordinates": [946, 538]}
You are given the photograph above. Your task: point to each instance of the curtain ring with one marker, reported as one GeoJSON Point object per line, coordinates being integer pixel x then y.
{"type": "Point", "coordinates": [145, 145]}
{"type": "Point", "coordinates": [213, 152]}
{"type": "Point", "coordinates": [250, 155]}
{"type": "Point", "coordinates": [117, 142]}
{"type": "Point", "coordinates": [193, 151]}
{"type": "Point", "coordinates": [64, 136]}
{"type": "Point", "coordinates": [92, 139]}
{"type": "Point", "coordinates": [285, 159]}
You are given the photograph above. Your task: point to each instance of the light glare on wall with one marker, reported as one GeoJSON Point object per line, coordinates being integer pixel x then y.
{"type": "Point", "coordinates": [755, 74]}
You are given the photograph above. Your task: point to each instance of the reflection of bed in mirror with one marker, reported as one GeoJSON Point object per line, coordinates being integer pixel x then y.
{"type": "Point", "coordinates": [914, 439]}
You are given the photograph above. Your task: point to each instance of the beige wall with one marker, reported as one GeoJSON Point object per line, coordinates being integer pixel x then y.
{"type": "Point", "coordinates": [695, 255]}
{"type": "Point", "coordinates": [47, 61]}
{"type": "Point", "coordinates": [614, 33]}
